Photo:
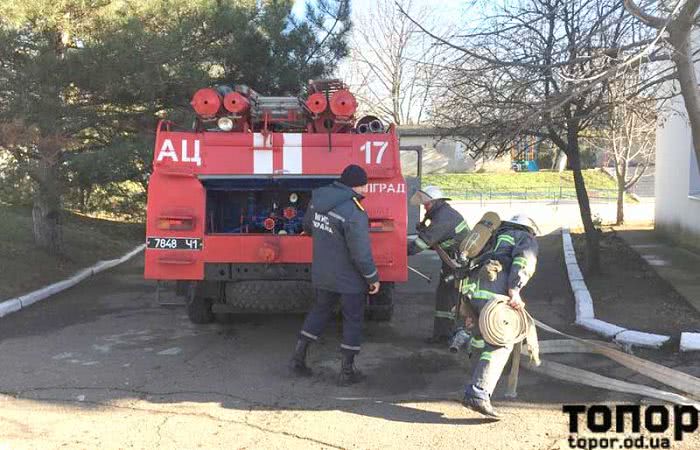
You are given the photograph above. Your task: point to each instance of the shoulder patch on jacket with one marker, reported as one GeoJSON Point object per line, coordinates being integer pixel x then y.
{"type": "Point", "coordinates": [354, 199]}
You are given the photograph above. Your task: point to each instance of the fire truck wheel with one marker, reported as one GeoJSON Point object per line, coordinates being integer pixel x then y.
{"type": "Point", "coordinates": [198, 306]}
{"type": "Point", "coordinates": [381, 305]}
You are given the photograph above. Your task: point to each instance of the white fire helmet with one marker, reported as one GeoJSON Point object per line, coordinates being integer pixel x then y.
{"type": "Point", "coordinates": [427, 194]}
{"type": "Point", "coordinates": [526, 221]}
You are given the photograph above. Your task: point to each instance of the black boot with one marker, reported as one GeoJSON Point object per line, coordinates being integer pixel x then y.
{"type": "Point", "coordinates": [348, 373]}
{"type": "Point", "coordinates": [298, 363]}
{"type": "Point", "coordinates": [482, 406]}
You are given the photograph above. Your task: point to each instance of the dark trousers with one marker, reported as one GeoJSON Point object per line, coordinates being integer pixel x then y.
{"type": "Point", "coordinates": [446, 297]}
{"type": "Point", "coordinates": [353, 308]}
{"type": "Point", "coordinates": [492, 361]}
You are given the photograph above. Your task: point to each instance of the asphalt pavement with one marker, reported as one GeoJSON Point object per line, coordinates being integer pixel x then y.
{"type": "Point", "coordinates": [102, 365]}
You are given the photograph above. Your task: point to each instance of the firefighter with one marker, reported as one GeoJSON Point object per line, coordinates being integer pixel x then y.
{"type": "Point", "coordinates": [504, 267]}
{"type": "Point", "coordinates": [343, 269]}
{"type": "Point", "coordinates": [442, 226]}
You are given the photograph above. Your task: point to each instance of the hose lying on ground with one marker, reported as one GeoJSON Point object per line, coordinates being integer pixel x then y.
{"type": "Point", "coordinates": [502, 325]}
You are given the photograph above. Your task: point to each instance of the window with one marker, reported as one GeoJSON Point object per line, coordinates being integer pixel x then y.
{"type": "Point", "coordinates": [694, 184]}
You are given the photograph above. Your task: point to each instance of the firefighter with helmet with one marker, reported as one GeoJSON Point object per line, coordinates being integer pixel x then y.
{"type": "Point", "coordinates": [504, 266]}
{"type": "Point", "coordinates": [442, 226]}
{"type": "Point", "coordinates": [342, 269]}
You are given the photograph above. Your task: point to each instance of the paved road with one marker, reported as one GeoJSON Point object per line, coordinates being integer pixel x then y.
{"type": "Point", "coordinates": [551, 216]}
{"type": "Point", "coordinates": [102, 366]}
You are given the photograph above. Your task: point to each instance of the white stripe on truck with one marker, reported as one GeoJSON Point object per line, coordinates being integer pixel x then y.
{"type": "Point", "coordinates": [262, 154]}
{"type": "Point", "coordinates": [291, 154]}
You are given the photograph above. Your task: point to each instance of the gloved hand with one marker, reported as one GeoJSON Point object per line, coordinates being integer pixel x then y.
{"type": "Point", "coordinates": [515, 301]}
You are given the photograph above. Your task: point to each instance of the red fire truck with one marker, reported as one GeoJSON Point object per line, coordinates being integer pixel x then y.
{"type": "Point", "coordinates": [227, 197]}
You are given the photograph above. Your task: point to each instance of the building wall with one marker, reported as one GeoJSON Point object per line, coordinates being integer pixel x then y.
{"type": "Point", "coordinates": [677, 179]}
{"type": "Point", "coordinates": [447, 156]}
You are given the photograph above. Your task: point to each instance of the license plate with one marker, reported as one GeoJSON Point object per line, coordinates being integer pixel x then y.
{"type": "Point", "coordinates": [170, 243]}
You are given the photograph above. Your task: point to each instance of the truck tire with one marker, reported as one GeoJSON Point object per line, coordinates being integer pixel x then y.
{"type": "Point", "coordinates": [381, 305]}
{"type": "Point", "coordinates": [270, 295]}
{"type": "Point", "coordinates": [197, 305]}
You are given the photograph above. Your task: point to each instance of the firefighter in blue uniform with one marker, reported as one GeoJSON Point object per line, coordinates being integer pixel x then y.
{"type": "Point", "coordinates": [343, 269]}
{"type": "Point", "coordinates": [504, 267]}
{"type": "Point", "coordinates": [441, 226]}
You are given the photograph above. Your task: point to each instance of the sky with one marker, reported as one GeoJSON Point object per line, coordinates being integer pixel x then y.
{"type": "Point", "coordinates": [449, 9]}
{"type": "Point", "coordinates": [445, 14]}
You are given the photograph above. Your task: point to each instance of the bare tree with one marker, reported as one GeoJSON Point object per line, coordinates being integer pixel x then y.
{"type": "Point", "coordinates": [676, 28]}
{"type": "Point", "coordinates": [627, 134]}
{"type": "Point", "coordinates": [516, 78]}
{"type": "Point", "coordinates": [393, 67]}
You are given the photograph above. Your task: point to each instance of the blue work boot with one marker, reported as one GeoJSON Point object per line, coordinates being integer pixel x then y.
{"type": "Point", "coordinates": [348, 373]}
{"type": "Point", "coordinates": [479, 401]}
{"type": "Point", "coordinates": [297, 365]}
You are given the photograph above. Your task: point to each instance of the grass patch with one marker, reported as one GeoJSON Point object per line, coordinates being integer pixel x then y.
{"type": "Point", "coordinates": [542, 184]}
{"type": "Point", "coordinates": [24, 267]}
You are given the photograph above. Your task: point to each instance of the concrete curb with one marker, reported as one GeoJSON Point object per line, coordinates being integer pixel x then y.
{"type": "Point", "coordinates": [690, 342]}
{"type": "Point", "coordinates": [23, 301]}
{"type": "Point", "coordinates": [585, 313]}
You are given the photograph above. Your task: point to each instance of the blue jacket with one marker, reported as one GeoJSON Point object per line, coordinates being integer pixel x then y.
{"type": "Point", "coordinates": [442, 226]}
{"type": "Point", "coordinates": [342, 255]}
{"type": "Point", "coordinates": [516, 250]}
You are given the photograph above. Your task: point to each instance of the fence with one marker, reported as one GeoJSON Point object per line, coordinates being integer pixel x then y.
{"type": "Point", "coordinates": [549, 194]}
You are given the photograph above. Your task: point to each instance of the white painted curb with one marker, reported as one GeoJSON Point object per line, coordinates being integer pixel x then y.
{"type": "Point", "coordinates": [690, 342]}
{"type": "Point", "coordinates": [631, 337]}
{"type": "Point", "coordinates": [15, 304]}
{"type": "Point", "coordinates": [606, 329]}
{"type": "Point", "coordinates": [10, 306]}
{"type": "Point", "coordinates": [585, 313]}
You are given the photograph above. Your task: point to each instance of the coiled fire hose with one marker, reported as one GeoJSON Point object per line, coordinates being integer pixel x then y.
{"type": "Point", "coordinates": [502, 325]}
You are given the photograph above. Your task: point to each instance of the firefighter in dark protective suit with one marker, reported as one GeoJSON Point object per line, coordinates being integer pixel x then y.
{"type": "Point", "coordinates": [504, 267]}
{"type": "Point", "coordinates": [441, 227]}
{"type": "Point", "coordinates": [343, 269]}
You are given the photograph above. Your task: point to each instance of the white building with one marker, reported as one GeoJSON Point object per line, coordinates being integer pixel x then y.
{"type": "Point", "coordinates": [445, 155]}
{"type": "Point", "coordinates": [677, 177]}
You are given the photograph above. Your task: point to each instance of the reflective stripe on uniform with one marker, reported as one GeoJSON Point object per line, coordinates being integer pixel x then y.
{"type": "Point", "coordinates": [444, 314]}
{"type": "Point", "coordinates": [467, 287]}
{"type": "Point", "coordinates": [485, 356]}
{"type": "Point", "coordinates": [483, 294]}
{"type": "Point", "coordinates": [525, 263]}
{"type": "Point", "coordinates": [309, 335]}
{"type": "Point", "coordinates": [371, 275]}
{"type": "Point", "coordinates": [337, 216]}
{"type": "Point", "coordinates": [462, 226]}
{"type": "Point", "coordinates": [504, 238]}
{"type": "Point", "coordinates": [350, 347]}
{"type": "Point", "coordinates": [421, 243]}
{"type": "Point", "coordinates": [520, 261]}
{"type": "Point", "coordinates": [448, 243]}
{"type": "Point", "coordinates": [477, 343]}
{"type": "Point", "coordinates": [476, 293]}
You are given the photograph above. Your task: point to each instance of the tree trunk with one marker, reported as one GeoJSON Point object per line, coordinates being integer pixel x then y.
{"type": "Point", "coordinates": [592, 244]}
{"type": "Point", "coordinates": [620, 201]}
{"type": "Point", "coordinates": [46, 213]}
{"type": "Point", "coordinates": [682, 56]}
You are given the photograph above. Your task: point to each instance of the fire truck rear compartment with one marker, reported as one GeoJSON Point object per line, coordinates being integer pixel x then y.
{"type": "Point", "coordinates": [262, 206]}
{"type": "Point", "coordinates": [258, 205]}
